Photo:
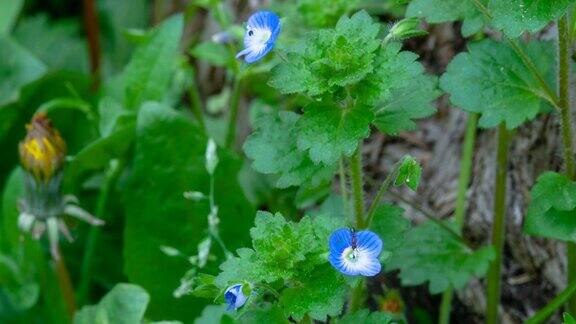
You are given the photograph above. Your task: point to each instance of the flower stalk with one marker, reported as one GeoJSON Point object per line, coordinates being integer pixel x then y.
{"type": "Point", "coordinates": [566, 129]}
{"type": "Point", "coordinates": [498, 226]}
{"type": "Point", "coordinates": [463, 183]}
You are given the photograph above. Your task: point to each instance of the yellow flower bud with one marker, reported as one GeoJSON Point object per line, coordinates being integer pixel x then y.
{"type": "Point", "coordinates": [42, 151]}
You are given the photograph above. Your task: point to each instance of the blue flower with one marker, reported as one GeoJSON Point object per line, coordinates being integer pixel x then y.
{"type": "Point", "coordinates": [261, 32]}
{"type": "Point", "coordinates": [234, 297]}
{"type": "Point", "coordinates": [355, 253]}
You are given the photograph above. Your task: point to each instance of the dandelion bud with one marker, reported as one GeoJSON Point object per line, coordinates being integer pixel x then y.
{"type": "Point", "coordinates": [42, 151]}
{"type": "Point", "coordinates": [405, 28]}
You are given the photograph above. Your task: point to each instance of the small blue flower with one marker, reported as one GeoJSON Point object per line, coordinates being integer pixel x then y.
{"type": "Point", "coordinates": [355, 253]}
{"type": "Point", "coordinates": [261, 32]}
{"type": "Point", "coordinates": [234, 297]}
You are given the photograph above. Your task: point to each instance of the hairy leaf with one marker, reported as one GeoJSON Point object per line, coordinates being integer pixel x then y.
{"type": "Point", "coordinates": [492, 70]}
{"type": "Point", "coordinates": [364, 316]}
{"type": "Point", "coordinates": [409, 173]}
{"type": "Point", "coordinates": [438, 11]}
{"type": "Point", "coordinates": [329, 131]}
{"type": "Point", "coordinates": [431, 254]}
{"type": "Point", "coordinates": [552, 211]}
{"type": "Point", "coordinates": [273, 149]}
{"type": "Point", "coordinates": [516, 16]}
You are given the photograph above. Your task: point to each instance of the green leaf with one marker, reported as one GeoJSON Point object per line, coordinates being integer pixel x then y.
{"type": "Point", "coordinates": [274, 150]}
{"type": "Point", "coordinates": [150, 71]}
{"type": "Point", "coordinates": [552, 210]}
{"type": "Point", "coordinates": [214, 314]}
{"type": "Point", "coordinates": [439, 11]}
{"type": "Point", "coordinates": [568, 319]}
{"type": "Point", "coordinates": [169, 160]}
{"type": "Point", "coordinates": [124, 304]}
{"type": "Point", "coordinates": [282, 249]}
{"type": "Point", "coordinates": [409, 173]}
{"type": "Point", "coordinates": [431, 254]}
{"type": "Point", "coordinates": [319, 295]}
{"type": "Point", "coordinates": [364, 316]}
{"type": "Point", "coordinates": [493, 70]}
{"type": "Point", "coordinates": [390, 225]}
{"type": "Point", "coordinates": [330, 60]}
{"type": "Point", "coordinates": [9, 11]}
{"type": "Point", "coordinates": [17, 67]}
{"type": "Point", "coordinates": [213, 53]}
{"type": "Point", "coordinates": [329, 131]}
{"type": "Point", "coordinates": [409, 100]}
{"type": "Point", "coordinates": [57, 43]}
{"type": "Point", "coordinates": [516, 16]}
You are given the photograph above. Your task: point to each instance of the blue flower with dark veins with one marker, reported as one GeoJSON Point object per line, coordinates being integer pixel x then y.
{"type": "Point", "coordinates": [355, 253]}
{"type": "Point", "coordinates": [261, 32]}
{"type": "Point", "coordinates": [234, 297]}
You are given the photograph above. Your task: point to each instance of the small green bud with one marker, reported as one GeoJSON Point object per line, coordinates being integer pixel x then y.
{"type": "Point", "coordinates": [404, 29]}
{"type": "Point", "coordinates": [211, 156]}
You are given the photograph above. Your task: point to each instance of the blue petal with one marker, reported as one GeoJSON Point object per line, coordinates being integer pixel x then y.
{"type": "Point", "coordinates": [234, 297]}
{"type": "Point", "coordinates": [370, 242]}
{"type": "Point", "coordinates": [265, 20]}
{"type": "Point", "coordinates": [339, 241]}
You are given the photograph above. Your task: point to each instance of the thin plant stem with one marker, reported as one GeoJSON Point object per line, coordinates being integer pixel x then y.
{"type": "Point", "coordinates": [381, 191]}
{"type": "Point", "coordinates": [343, 187]}
{"type": "Point", "coordinates": [433, 219]}
{"type": "Point", "coordinates": [463, 183]}
{"type": "Point", "coordinates": [498, 226]}
{"type": "Point", "coordinates": [196, 103]}
{"type": "Point", "coordinates": [545, 312]}
{"type": "Point", "coordinates": [112, 176]}
{"type": "Point", "coordinates": [356, 178]}
{"type": "Point", "coordinates": [213, 229]}
{"type": "Point", "coordinates": [65, 285]}
{"type": "Point", "coordinates": [357, 297]}
{"type": "Point", "coordinates": [566, 128]}
{"type": "Point", "coordinates": [93, 35]}
{"type": "Point", "coordinates": [234, 106]}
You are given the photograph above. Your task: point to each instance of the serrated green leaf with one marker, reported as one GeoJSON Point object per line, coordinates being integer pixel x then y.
{"type": "Point", "coordinates": [320, 294]}
{"type": "Point", "coordinates": [516, 16]}
{"type": "Point", "coordinates": [390, 225]}
{"type": "Point", "coordinates": [17, 67]}
{"type": "Point", "coordinates": [409, 173]}
{"type": "Point", "coordinates": [124, 304]}
{"type": "Point", "coordinates": [282, 249]}
{"type": "Point", "coordinates": [493, 70]}
{"type": "Point", "coordinates": [149, 72]}
{"type": "Point", "coordinates": [364, 316]}
{"type": "Point", "coordinates": [273, 149]}
{"type": "Point", "coordinates": [552, 210]}
{"type": "Point", "coordinates": [329, 131]}
{"type": "Point", "coordinates": [439, 11]}
{"type": "Point", "coordinates": [431, 254]}
{"type": "Point", "coordinates": [169, 160]}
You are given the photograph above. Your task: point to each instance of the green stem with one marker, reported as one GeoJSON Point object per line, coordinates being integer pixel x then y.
{"type": "Point", "coordinates": [196, 103]}
{"type": "Point", "coordinates": [553, 305]}
{"type": "Point", "coordinates": [112, 176]}
{"type": "Point", "coordinates": [234, 104]}
{"type": "Point", "coordinates": [566, 127]}
{"type": "Point", "coordinates": [383, 189]}
{"type": "Point", "coordinates": [358, 297]}
{"type": "Point", "coordinates": [498, 227]}
{"type": "Point", "coordinates": [65, 285]}
{"type": "Point", "coordinates": [463, 183]}
{"type": "Point", "coordinates": [357, 187]}
{"type": "Point", "coordinates": [343, 187]}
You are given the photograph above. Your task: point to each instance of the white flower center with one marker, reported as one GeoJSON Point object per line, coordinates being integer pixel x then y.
{"type": "Point", "coordinates": [351, 255]}
{"type": "Point", "coordinates": [258, 37]}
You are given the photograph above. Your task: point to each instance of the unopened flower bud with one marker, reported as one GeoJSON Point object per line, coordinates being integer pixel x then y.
{"type": "Point", "coordinates": [211, 156]}
{"type": "Point", "coordinates": [404, 29]}
{"type": "Point", "coordinates": [42, 151]}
